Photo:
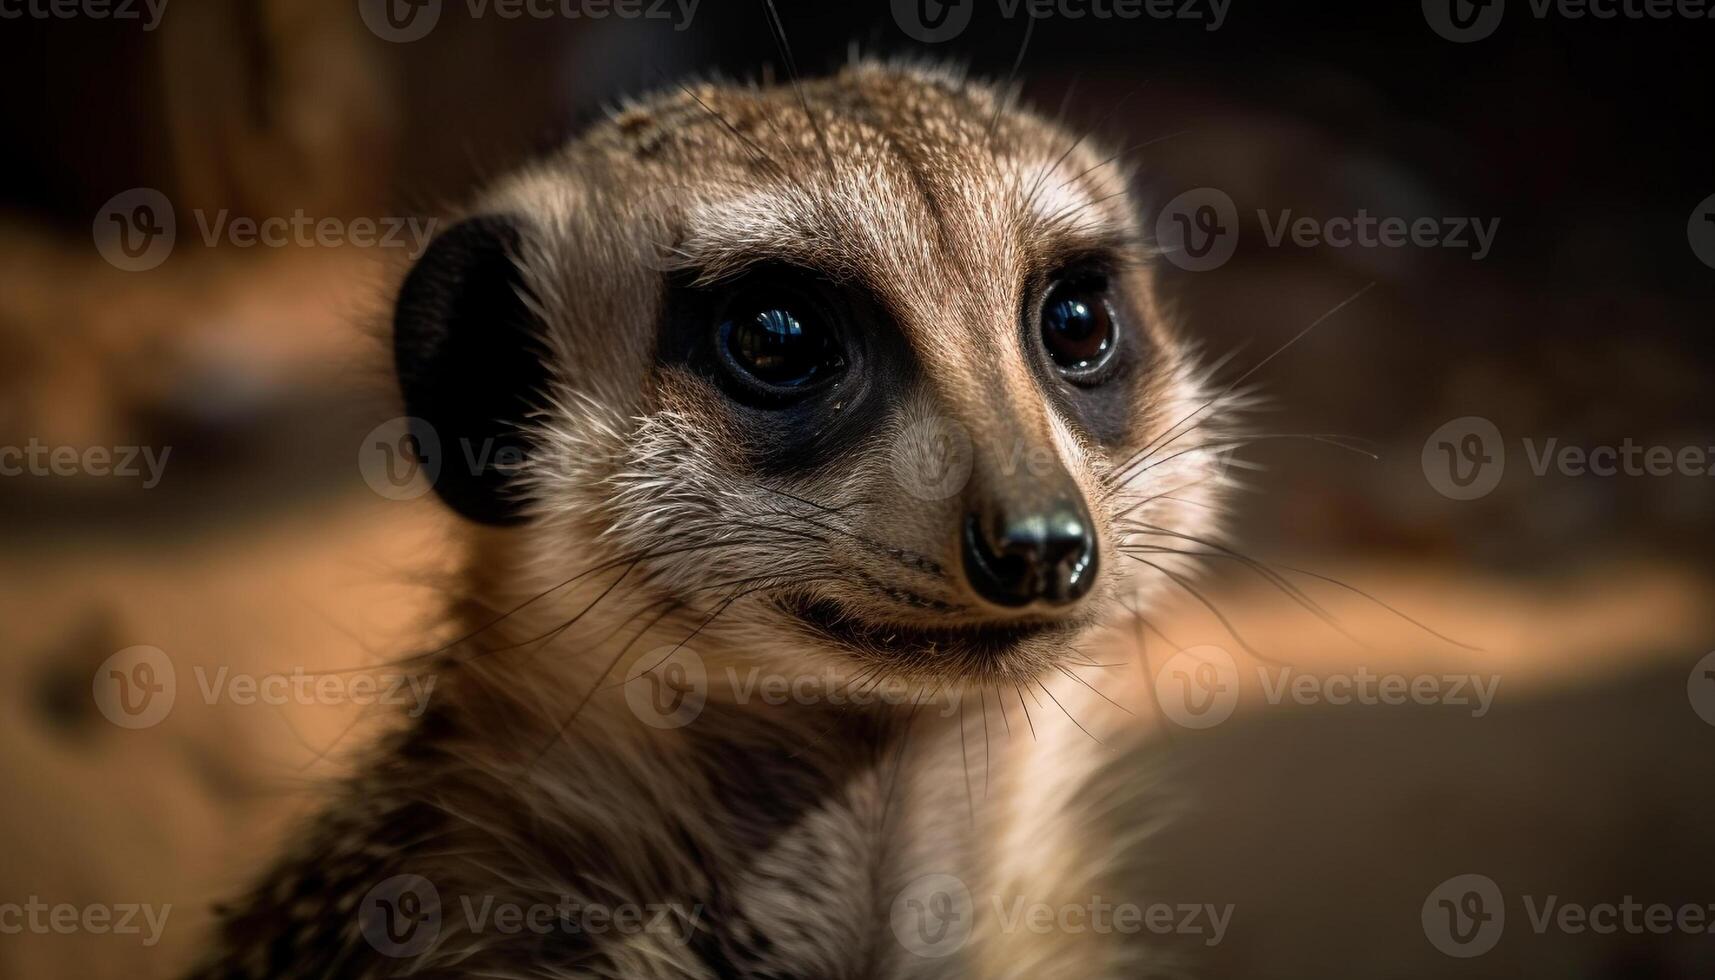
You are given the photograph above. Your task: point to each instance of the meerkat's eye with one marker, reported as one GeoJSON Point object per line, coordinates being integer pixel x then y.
{"type": "Point", "coordinates": [777, 349]}
{"type": "Point", "coordinates": [1078, 328]}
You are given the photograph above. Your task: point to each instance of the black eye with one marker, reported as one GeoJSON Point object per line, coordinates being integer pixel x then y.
{"type": "Point", "coordinates": [776, 349]}
{"type": "Point", "coordinates": [1078, 328]}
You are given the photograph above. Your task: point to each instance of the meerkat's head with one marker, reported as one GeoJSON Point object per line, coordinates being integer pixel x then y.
{"type": "Point", "coordinates": [868, 371]}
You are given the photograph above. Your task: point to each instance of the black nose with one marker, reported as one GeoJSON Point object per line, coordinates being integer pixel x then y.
{"type": "Point", "coordinates": [1046, 555]}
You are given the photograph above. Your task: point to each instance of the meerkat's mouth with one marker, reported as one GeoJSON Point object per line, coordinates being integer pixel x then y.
{"type": "Point", "coordinates": [830, 620]}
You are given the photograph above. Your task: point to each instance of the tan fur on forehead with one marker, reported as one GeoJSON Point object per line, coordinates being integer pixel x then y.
{"type": "Point", "coordinates": [920, 177]}
{"type": "Point", "coordinates": [899, 157]}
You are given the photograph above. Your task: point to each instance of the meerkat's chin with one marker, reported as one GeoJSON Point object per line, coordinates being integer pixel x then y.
{"type": "Point", "coordinates": [975, 647]}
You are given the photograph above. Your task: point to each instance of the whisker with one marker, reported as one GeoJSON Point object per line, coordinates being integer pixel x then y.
{"type": "Point", "coordinates": [750, 146]}
{"type": "Point", "coordinates": [1180, 581]}
{"type": "Point", "coordinates": [1001, 98]}
{"type": "Point", "coordinates": [1126, 151]}
{"type": "Point", "coordinates": [1295, 590]}
{"type": "Point", "coordinates": [516, 609]}
{"type": "Point", "coordinates": [811, 503]}
{"type": "Point", "coordinates": [548, 636]}
{"type": "Point", "coordinates": [1266, 574]}
{"type": "Point", "coordinates": [965, 763]}
{"type": "Point", "coordinates": [1061, 668]}
{"type": "Point", "coordinates": [1120, 475]}
{"type": "Point", "coordinates": [982, 696]}
{"type": "Point", "coordinates": [594, 569]}
{"type": "Point", "coordinates": [919, 562]}
{"type": "Point", "coordinates": [899, 759]}
{"type": "Point", "coordinates": [1261, 568]}
{"type": "Point", "coordinates": [1148, 670]}
{"type": "Point", "coordinates": [876, 671]}
{"type": "Point", "coordinates": [1149, 500]}
{"type": "Point", "coordinates": [1354, 589]}
{"type": "Point", "coordinates": [1237, 443]}
{"type": "Point", "coordinates": [1146, 623]}
{"type": "Point", "coordinates": [595, 682]}
{"type": "Point", "coordinates": [1084, 133]}
{"type": "Point", "coordinates": [1068, 714]}
{"type": "Point", "coordinates": [1020, 692]}
{"type": "Point", "coordinates": [1276, 353]}
{"type": "Point", "coordinates": [1076, 208]}
{"type": "Point", "coordinates": [778, 30]}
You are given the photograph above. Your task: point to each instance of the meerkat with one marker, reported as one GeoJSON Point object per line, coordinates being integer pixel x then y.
{"type": "Point", "coordinates": [859, 384]}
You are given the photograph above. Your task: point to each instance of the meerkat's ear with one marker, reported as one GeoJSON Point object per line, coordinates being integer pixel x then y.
{"type": "Point", "coordinates": [467, 348]}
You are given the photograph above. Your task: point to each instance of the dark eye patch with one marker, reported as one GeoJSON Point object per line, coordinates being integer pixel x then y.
{"type": "Point", "coordinates": [806, 364]}
{"type": "Point", "coordinates": [1088, 343]}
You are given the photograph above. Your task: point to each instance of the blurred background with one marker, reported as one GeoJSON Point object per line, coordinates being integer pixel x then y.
{"type": "Point", "coordinates": [250, 373]}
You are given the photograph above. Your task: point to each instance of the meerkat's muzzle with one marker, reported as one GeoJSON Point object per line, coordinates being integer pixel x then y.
{"type": "Point", "coordinates": [1044, 555]}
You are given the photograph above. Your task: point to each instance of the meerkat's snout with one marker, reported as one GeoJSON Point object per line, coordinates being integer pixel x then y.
{"type": "Point", "coordinates": [1032, 546]}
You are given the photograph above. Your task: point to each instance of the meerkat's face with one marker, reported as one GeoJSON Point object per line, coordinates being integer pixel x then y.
{"type": "Point", "coordinates": [869, 371]}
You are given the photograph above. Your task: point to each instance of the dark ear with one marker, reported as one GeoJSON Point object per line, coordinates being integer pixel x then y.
{"type": "Point", "coordinates": [471, 363]}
